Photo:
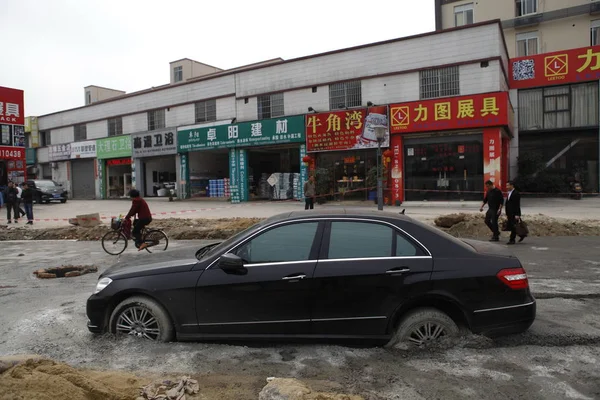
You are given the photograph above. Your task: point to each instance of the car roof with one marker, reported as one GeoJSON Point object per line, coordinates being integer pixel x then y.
{"type": "Point", "coordinates": [360, 213]}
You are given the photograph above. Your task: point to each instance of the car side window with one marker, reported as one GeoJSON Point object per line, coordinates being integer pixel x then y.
{"type": "Point", "coordinates": [404, 248]}
{"type": "Point", "coordinates": [360, 240]}
{"type": "Point", "coordinates": [286, 243]}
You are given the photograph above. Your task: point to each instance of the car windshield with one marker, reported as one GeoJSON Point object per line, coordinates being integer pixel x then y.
{"type": "Point", "coordinates": [46, 184]}
{"type": "Point", "coordinates": [215, 248]}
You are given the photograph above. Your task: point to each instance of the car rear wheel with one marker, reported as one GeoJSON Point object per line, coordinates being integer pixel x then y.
{"type": "Point", "coordinates": [422, 326]}
{"type": "Point", "coordinates": [143, 318]}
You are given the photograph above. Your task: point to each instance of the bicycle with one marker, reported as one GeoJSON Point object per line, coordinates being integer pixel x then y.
{"type": "Point", "coordinates": [117, 239]}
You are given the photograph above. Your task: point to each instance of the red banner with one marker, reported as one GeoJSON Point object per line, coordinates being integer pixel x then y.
{"type": "Point", "coordinates": [15, 164]}
{"type": "Point", "coordinates": [556, 68]}
{"type": "Point", "coordinates": [345, 130]}
{"type": "Point", "coordinates": [397, 182]}
{"type": "Point", "coordinates": [11, 106]}
{"type": "Point", "coordinates": [464, 112]}
{"type": "Point", "coordinates": [492, 156]}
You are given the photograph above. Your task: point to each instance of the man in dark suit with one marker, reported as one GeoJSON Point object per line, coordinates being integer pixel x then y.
{"type": "Point", "coordinates": [513, 211]}
{"type": "Point", "coordinates": [494, 199]}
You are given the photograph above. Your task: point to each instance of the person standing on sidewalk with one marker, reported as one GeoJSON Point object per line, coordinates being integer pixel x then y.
{"type": "Point", "coordinates": [19, 201]}
{"type": "Point", "coordinates": [494, 199]}
{"type": "Point", "coordinates": [309, 193]}
{"type": "Point", "coordinates": [27, 198]}
{"type": "Point", "coordinates": [513, 211]}
{"type": "Point", "coordinates": [11, 202]}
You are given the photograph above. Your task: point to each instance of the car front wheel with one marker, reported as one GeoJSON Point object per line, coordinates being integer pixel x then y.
{"type": "Point", "coordinates": [422, 326]}
{"type": "Point", "coordinates": [141, 317]}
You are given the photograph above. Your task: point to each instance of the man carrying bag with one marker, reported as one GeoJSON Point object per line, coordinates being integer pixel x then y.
{"type": "Point", "coordinates": [513, 214]}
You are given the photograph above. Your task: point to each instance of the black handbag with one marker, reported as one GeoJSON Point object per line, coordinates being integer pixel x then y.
{"type": "Point", "coordinates": [521, 228]}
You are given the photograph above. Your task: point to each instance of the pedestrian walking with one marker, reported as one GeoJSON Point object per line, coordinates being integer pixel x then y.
{"type": "Point", "coordinates": [513, 212]}
{"type": "Point", "coordinates": [494, 200]}
{"type": "Point", "coordinates": [19, 201]}
{"type": "Point", "coordinates": [11, 202]}
{"type": "Point", "coordinates": [309, 193]}
{"type": "Point", "coordinates": [27, 198]}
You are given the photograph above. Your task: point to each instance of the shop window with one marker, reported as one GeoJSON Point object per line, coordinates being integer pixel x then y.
{"type": "Point", "coordinates": [463, 15]}
{"type": "Point", "coordinates": [526, 7]}
{"type": "Point", "coordinates": [284, 244]}
{"type": "Point", "coordinates": [345, 95]}
{"type": "Point", "coordinates": [206, 110]}
{"type": "Point", "coordinates": [178, 74]}
{"type": "Point", "coordinates": [527, 44]}
{"type": "Point", "coordinates": [595, 33]}
{"type": "Point", "coordinates": [156, 119]}
{"type": "Point", "coordinates": [570, 106]}
{"type": "Point", "coordinates": [115, 126]}
{"type": "Point", "coordinates": [359, 240]}
{"type": "Point", "coordinates": [80, 132]}
{"type": "Point", "coordinates": [270, 106]}
{"type": "Point", "coordinates": [440, 82]}
{"type": "Point", "coordinates": [45, 138]}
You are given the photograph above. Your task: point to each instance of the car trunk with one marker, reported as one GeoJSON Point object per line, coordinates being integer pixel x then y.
{"type": "Point", "coordinates": [487, 248]}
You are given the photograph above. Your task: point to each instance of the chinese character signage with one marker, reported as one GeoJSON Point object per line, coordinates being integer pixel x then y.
{"type": "Point", "coordinates": [155, 143]}
{"type": "Point", "coordinates": [464, 112]}
{"type": "Point", "coordinates": [11, 106]}
{"type": "Point", "coordinates": [59, 152]}
{"type": "Point", "coordinates": [492, 156]}
{"type": "Point", "coordinates": [113, 147]}
{"type": "Point", "coordinates": [85, 149]}
{"type": "Point", "coordinates": [234, 176]}
{"type": "Point", "coordinates": [303, 173]}
{"type": "Point", "coordinates": [557, 68]}
{"type": "Point", "coordinates": [345, 130]}
{"type": "Point", "coordinates": [397, 181]}
{"type": "Point", "coordinates": [246, 134]}
{"type": "Point", "coordinates": [15, 163]}
{"type": "Point", "coordinates": [243, 169]}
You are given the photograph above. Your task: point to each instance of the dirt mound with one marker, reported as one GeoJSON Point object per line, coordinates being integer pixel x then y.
{"type": "Point", "coordinates": [473, 226]}
{"type": "Point", "coordinates": [175, 228]}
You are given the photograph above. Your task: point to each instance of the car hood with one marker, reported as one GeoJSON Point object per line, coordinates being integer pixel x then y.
{"type": "Point", "coordinates": [52, 190]}
{"type": "Point", "coordinates": [122, 271]}
{"type": "Point", "coordinates": [487, 248]}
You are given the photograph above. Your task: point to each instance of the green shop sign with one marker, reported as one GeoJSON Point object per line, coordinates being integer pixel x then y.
{"type": "Point", "coordinates": [113, 147]}
{"type": "Point", "coordinates": [246, 134]}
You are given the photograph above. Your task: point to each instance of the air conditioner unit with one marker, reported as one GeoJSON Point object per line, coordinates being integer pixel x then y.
{"type": "Point", "coordinates": [528, 20]}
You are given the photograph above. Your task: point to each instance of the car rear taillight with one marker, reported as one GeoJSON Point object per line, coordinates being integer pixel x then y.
{"type": "Point", "coordinates": [514, 278]}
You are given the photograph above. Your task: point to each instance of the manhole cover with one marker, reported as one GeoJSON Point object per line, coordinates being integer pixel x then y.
{"type": "Point", "coordinates": [65, 271]}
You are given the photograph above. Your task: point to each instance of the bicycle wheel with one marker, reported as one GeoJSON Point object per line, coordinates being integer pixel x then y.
{"type": "Point", "coordinates": [114, 243]}
{"type": "Point", "coordinates": [156, 239]}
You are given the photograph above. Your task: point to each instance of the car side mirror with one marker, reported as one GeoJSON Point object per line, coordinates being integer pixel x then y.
{"type": "Point", "coordinates": [232, 264]}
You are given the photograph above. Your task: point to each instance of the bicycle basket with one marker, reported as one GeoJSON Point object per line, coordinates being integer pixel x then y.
{"type": "Point", "coordinates": [115, 224]}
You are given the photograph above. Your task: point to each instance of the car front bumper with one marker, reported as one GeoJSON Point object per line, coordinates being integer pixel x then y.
{"type": "Point", "coordinates": [504, 320]}
{"type": "Point", "coordinates": [97, 315]}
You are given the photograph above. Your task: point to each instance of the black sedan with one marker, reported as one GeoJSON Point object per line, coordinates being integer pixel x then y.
{"type": "Point", "coordinates": [47, 190]}
{"type": "Point", "coordinates": [341, 274]}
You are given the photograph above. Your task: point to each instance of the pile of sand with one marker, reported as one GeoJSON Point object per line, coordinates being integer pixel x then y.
{"type": "Point", "coordinates": [473, 226]}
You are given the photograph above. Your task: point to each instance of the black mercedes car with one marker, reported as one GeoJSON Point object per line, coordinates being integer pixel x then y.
{"type": "Point", "coordinates": [47, 190]}
{"type": "Point", "coordinates": [336, 275]}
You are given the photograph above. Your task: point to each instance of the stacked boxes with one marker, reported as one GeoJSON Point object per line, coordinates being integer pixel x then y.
{"type": "Point", "coordinates": [219, 188]}
{"type": "Point", "coordinates": [287, 186]}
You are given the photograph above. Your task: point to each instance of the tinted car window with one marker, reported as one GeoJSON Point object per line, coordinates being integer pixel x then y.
{"type": "Point", "coordinates": [404, 248]}
{"type": "Point", "coordinates": [285, 243]}
{"type": "Point", "coordinates": [359, 240]}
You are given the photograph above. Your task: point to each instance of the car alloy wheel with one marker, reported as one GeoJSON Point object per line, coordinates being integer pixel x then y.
{"type": "Point", "coordinates": [423, 325]}
{"type": "Point", "coordinates": [139, 322]}
{"type": "Point", "coordinates": [427, 332]}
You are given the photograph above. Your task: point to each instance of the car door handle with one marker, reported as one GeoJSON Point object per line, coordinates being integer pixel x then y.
{"type": "Point", "coordinates": [293, 278]}
{"type": "Point", "coordinates": [394, 271]}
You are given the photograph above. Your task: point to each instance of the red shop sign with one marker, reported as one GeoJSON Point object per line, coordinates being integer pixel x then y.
{"type": "Point", "coordinates": [464, 112]}
{"type": "Point", "coordinates": [118, 161]}
{"type": "Point", "coordinates": [556, 68]}
{"type": "Point", "coordinates": [11, 106]}
{"type": "Point", "coordinates": [12, 153]}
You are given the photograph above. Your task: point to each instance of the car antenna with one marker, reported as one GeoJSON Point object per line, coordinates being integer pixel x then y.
{"type": "Point", "coordinates": [402, 212]}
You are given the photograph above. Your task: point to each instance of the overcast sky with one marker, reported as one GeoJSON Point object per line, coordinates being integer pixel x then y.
{"type": "Point", "coordinates": [52, 49]}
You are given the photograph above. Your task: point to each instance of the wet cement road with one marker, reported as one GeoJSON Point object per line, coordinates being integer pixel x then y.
{"type": "Point", "coordinates": [558, 358]}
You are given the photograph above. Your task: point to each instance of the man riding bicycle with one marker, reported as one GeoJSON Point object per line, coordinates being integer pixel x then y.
{"type": "Point", "coordinates": [144, 217]}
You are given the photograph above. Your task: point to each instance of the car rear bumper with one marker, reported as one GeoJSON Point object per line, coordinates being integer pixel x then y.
{"type": "Point", "coordinates": [504, 320]}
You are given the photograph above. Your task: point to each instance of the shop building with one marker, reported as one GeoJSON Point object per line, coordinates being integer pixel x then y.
{"type": "Point", "coordinates": [13, 165]}
{"type": "Point", "coordinates": [445, 149]}
{"type": "Point", "coordinates": [258, 160]}
{"type": "Point", "coordinates": [115, 168]}
{"type": "Point", "coordinates": [557, 96]}
{"type": "Point", "coordinates": [154, 155]}
{"type": "Point", "coordinates": [73, 166]}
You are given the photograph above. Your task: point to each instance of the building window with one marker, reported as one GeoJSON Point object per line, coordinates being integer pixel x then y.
{"type": "Point", "coordinates": [345, 95]}
{"type": "Point", "coordinates": [439, 82]}
{"type": "Point", "coordinates": [115, 126]}
{"type": "Point", "coordinates": [206, 110]}
{"type": "Point", "coordinates": [80, 132]}
{"type": "Point", "coordinates": [270, 106]}
{"type": "Point", "coordinates": [463, 15]}
{"type": "Point", "coordinates": [527, 44]}
{"type": "Point", "coordinates": [88, 97]}
{"type": "Point", "coordinates": [177, 74]}
{"type": "Point", "coordinates": [558, 107]}
{"type": "Point", "coordinates": [156, 119]}
{"type": "Point", "coordinates": [526, 7]}
{"type": "Point", "coordinates": [45, 138]}
{"type": "Point", "coordinates": [595, 33]}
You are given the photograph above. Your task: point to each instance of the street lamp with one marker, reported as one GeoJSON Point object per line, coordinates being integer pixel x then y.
{"type": "Point", "coordinates": [380, 131]}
